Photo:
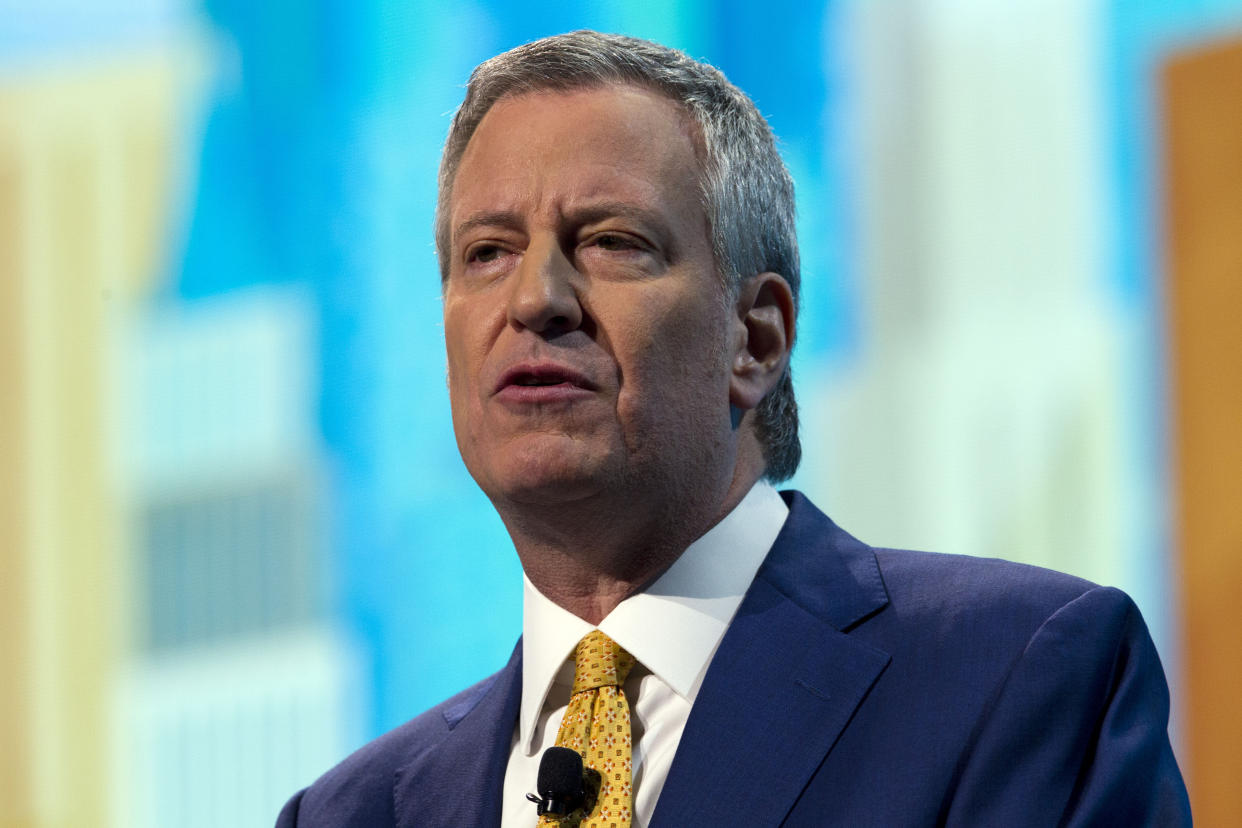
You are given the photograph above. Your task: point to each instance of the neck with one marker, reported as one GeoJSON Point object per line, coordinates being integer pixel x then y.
{"type": "Point", "coordinates": [590, 555]}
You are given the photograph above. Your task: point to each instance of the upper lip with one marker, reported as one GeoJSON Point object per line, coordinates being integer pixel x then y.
{"type": "Point", "coordinates": [542, 373]}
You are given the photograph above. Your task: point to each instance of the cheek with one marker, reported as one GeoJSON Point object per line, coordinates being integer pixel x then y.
{"type": "Point", "coordinates": [464, 350]}
{"type": "Point", "coordinates": [679, 368]}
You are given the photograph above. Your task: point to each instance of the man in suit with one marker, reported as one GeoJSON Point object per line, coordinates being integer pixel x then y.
{"type": "Point", "coordinates": [620, 279]}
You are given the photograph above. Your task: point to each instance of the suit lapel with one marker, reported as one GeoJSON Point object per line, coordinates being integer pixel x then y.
{"type": "Point", "coordinates": [784, 682]}
{"type": "Point", "coordinates": [459, 779]}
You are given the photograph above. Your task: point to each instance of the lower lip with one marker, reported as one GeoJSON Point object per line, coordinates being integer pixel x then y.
{"type": "Point", "coordinates": [562, 392]}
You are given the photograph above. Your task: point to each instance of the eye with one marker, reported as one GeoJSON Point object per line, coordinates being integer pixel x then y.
{"type": "Point", "coordinates": [614, 242]}
{"type": "Point", "coordinates": [484, 253]}
{"type": "Point", "coordinates": [611, 241]}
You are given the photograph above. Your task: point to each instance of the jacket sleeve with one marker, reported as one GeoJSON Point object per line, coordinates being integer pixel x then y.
{"type": "Point", "coordinates": [1077, 735]}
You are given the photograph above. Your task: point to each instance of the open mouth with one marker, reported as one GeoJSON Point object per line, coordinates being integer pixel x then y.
{"type": "Point", "coordinates": [536, 382]}
{"type": "Point", "coordinates": [536, 376]}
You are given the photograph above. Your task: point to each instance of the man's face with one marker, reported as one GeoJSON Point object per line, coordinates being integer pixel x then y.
{"type": "Point", "coordinates": [589, 339]}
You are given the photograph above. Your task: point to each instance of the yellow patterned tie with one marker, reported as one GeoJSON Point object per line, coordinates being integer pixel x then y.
{"type": "Point", "coordinates": [597, 725]}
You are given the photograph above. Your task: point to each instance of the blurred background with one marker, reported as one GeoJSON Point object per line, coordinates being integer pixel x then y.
{"type": "Point", "coordinates": [236, 537]}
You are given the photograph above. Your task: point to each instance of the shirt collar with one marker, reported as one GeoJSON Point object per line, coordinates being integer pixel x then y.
{"type": "Point", "coordinates": [673, 626]}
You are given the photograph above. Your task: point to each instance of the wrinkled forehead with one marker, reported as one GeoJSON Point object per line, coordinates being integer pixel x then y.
{"type": "Point", "coordinates": [513, 97]}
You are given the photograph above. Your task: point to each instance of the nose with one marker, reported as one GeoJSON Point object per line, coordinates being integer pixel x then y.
{"type": "Point", "coordinates": [544, 297]}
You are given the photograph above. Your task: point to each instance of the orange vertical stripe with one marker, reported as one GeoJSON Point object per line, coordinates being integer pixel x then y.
{"type": "Point", "coordinates": [1203, 97]}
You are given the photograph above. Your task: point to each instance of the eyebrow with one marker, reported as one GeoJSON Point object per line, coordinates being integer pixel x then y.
{"type": "Point", "coordinates": [586, 214]}
{"type": "Point", "coordinates": [492, 218]}
{"type": "Point", "coordinates": [601, 210]}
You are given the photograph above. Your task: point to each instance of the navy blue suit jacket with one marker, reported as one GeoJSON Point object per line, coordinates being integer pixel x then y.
{"type": "Point", "coordinates": [855, 687]}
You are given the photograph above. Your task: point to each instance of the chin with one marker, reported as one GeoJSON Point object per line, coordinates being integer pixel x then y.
{"type": "Point", "coordinates": [546, 489]}
{"type": "Point", "coordinates": [544, 475]}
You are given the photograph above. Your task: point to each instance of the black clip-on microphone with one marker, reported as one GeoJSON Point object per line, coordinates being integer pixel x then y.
{"type": "Point", "coordinates": [564, 785]}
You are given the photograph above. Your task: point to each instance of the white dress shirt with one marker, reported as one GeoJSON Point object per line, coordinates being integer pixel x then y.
{"type": "Point", "coordinates": [672, 629]}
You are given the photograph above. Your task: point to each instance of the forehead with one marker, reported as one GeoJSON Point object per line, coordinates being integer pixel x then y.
{"type": "Point", "coordinates": [616, 141]}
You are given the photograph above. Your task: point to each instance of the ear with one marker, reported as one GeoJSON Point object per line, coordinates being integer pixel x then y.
{"type": "Point", "coordinates": [765, 326]}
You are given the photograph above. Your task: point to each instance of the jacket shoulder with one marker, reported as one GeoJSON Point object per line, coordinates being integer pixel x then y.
{"type": "Point", "coordinates": [983, 585]}
{"type": "Point", "coordinates": [845, 581]}
{"type": "Point", "coordinates": [959, 625]}
{"type": "Point", "coordinates": [358, 791]}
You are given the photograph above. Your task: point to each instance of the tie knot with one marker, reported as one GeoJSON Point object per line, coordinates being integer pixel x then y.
{"type": "Point", "coordinates": [599, 662]}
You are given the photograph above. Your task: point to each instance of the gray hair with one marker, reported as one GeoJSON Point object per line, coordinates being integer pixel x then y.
{"type": "Point", "coordinates": [747, 193]}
